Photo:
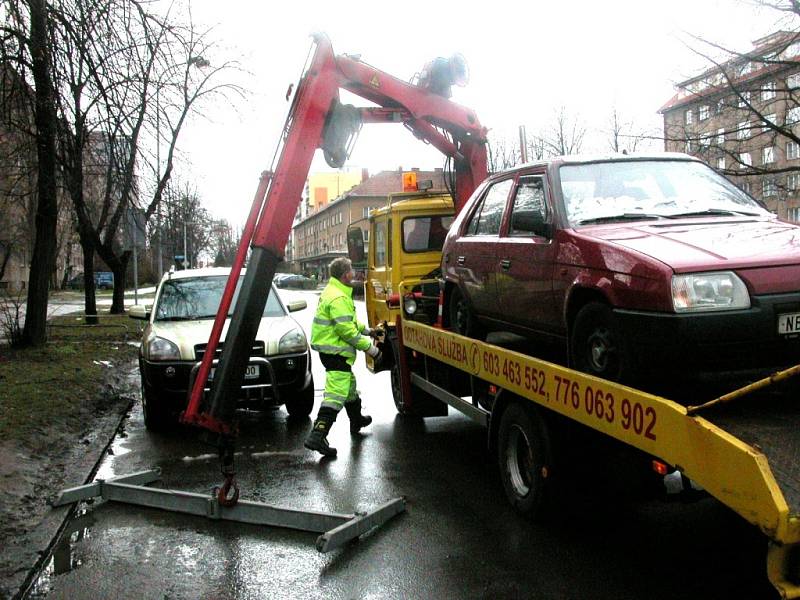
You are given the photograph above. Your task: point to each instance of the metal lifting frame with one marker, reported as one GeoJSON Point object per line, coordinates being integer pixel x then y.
{"type": "Point", "coordinates": [336, 529]}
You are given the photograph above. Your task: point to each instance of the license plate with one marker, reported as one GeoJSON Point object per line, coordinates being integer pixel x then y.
{"type": "Point", "coordinates": [252, 372]}
{"type": "Point", "coordinates": [789, 323]}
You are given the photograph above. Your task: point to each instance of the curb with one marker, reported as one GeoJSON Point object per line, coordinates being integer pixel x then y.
{"type": "Point", "coordinates": [59, 518]}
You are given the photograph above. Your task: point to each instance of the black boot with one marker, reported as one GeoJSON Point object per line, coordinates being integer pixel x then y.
{"type": "Point", "coordinates": [318, 437]}
{"type": "Point", "coordinates": [357, 420]}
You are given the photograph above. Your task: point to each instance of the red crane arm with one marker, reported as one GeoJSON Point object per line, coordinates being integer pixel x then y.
{"type": "Point", "coordinates": [451, 128]}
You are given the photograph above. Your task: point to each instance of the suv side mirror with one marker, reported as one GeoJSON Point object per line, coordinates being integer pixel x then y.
{"type": "Point", "coordinates": [139, 312]}
{"type": "Point", "coordinates": [297, 305]}
{"type": "Point", "coordinates": [529, 221]}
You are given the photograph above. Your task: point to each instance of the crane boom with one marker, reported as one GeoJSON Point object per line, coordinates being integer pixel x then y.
{"type": "Point", "coordinates": [317, 119]}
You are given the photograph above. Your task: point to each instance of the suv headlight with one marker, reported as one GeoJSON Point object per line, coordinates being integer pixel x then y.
{"type": "Point", "coordinates": [160, 349]}
{"type": "Point", "coordinates": [701, 292]}
{"type": "Point", "coordinates": [293, 341]}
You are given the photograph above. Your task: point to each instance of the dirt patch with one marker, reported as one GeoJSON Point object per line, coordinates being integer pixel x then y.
{"type": "Point", "coordinates": [43, 455]}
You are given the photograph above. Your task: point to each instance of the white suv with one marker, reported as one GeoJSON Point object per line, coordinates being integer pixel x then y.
{"type": "Point", "coordinates": [176, 335]}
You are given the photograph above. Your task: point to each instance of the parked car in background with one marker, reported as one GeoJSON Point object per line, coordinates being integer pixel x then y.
{"type": "Point", "coordinates": [298, 282]}
{"type": "Point", "coordinates": [103, 280]}
{"type": "Point", "coordinates": [175, 337]}
{"type": "Point", "coordinates": [632, 265]}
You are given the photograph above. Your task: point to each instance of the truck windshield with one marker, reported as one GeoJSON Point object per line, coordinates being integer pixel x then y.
{"type": "Point", "coordinates": [199, 298]}
{"type": "Point", "coordinates": [425, 234]}
{"type": "Point", "coordinates": [650, 189]}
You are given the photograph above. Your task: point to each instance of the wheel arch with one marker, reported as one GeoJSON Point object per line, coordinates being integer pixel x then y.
{"type": "Point", "coordinates": [578, 298]}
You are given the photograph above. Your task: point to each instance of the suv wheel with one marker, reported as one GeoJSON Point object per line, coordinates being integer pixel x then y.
{"type": "Point", "coordinates": [596, 346]}
{"type": "Point", "coordinates": [300, 405]}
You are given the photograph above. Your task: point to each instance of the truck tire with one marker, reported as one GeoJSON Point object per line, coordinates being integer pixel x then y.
{"type": "Point", "coordinates": [524, 456]}
{"type": "Point", "coordinates": [596, 345]}
{"type": "Point", "coordinates": [301, 404]}
{"type": "Point", "coordinates": [401, 403]}
{"type": "Point", "coordinates": [157, 416]}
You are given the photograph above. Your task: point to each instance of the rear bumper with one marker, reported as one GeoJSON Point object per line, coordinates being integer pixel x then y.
{"type": "Point", "coordinates": [742, 340]}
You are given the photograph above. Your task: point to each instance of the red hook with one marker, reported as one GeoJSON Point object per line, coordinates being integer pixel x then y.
{"type": "Point", "coordinates": [224, 495]}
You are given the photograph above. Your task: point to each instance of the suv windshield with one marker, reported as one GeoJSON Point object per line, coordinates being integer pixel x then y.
{"type": "Point", "coordinates": [649, 189]}
{"type": "Point", "coordinates": [199, 298]}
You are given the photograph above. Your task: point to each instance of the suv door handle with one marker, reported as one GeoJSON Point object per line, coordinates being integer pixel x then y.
{"type": "Point", "coordinates": [461, 260]}
{"type": "Point", "coordinates": [506, 264]}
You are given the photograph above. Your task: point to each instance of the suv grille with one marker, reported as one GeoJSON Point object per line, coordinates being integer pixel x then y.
{"type": "Point", "coordinates": [200, 350]}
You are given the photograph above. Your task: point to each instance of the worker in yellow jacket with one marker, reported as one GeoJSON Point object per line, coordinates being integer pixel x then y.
{"type": "Point", "coordinates": [336, 334]}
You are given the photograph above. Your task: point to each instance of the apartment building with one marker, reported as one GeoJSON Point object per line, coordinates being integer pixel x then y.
{"type": "Point", "coordinates": [322, 235]}
{"type": "Point", "coordinates": [741, 117]}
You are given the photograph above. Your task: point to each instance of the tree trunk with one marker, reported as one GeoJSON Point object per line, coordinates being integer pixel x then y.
{"type": "Point", "coordinates": [120, 269]}
{"type": "Point", "coordinates": [90, 299]}
{"type": "Point", "coordinates": [44, 248]}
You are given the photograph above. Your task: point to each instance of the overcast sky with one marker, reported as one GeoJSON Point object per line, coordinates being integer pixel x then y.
{"type": "Point", "coordinates": [525, 60]}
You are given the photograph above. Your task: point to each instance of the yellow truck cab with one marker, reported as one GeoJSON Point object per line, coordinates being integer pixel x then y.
{"type": "Point", "coordinates": [405, 243]}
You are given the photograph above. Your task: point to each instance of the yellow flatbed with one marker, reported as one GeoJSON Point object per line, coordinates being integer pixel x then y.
{"type": "Point", "coordinates": [743, 453]}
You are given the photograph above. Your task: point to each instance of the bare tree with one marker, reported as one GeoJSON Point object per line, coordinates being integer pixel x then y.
{"type": "Point", "coordinates": [27, 48]}
{"type": "Point", "coordinates": [624, 135]}
{"type": "Point", "coordinates": [565, 134]}
{"type": "Point", "coordinates": [130, 78]}
{"type": "Point", "coordinates": [741, 114]}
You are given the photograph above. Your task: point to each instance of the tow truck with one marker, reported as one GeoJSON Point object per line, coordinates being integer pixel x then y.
{"type": "Point", "coordinates": [746, 459]}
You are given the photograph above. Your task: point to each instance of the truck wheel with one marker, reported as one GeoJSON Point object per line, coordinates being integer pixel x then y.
{"type": "Point", "coordinates": [596, 346]}
{"type": "Point", "coordinates": [400, 401]}
{"type": "Point", "coordinates": [523, 453]}
{"type": "Point", "coordinates": [300, 405]}
{"type": "Point", "coordinates": [157, 416]}
{"type": "Point", "coordinates": [462, 319]}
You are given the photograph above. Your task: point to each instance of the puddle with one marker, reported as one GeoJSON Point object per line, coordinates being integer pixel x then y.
{"type": "Point", "coordinates": [64, 557]}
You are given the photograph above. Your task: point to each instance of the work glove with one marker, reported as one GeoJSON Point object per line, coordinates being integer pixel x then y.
{"type": "Point", "coordinates": [375, 333]}
{"type": "Point", "coordinates": [374, 352]}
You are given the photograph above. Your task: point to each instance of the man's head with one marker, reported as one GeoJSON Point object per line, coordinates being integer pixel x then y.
{"type": "Point", "coordinates": [342, 269]}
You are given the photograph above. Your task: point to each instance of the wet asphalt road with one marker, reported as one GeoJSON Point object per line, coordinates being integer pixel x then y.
{"type": "Point", "coordinates": [458, 539]}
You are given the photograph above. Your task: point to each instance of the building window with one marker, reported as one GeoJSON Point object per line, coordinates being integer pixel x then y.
{"type": "Point", "coordinates": [743, 100]}
{"type": "Point", "coordinates": [720, 136]}
{"type": "Point", "coordinates": [745, 187]}
{"type": "Point", "coordinates": [721, 162]}
{"type": "Point", "coordinates": [793, 115]}
{"type": "Point", "coordinates": [793, 214]}
{"type": "Point", "coordinates": [745, 160]}
{"type": "Point", "coordinates": [768, 91]}
{"type": "Point", "coordinates": [768, 119]}
{"type": "Point", "coordinates": [688, 146]}
{"type": "Point", "coordinates": [793, 82]}
{"type": "Point", "coordinates": [792, 150]}
{"type": "Point", "coordinates": [793, 181]}
{"type": "Point", "coordinates": [704, 112]}
{"type": "Point", "coordinates": [768, 155]}
{"type": "Point", "coordinates": [769, 187]}
{"type": "Point", "coordinates": [688, 117]}
{"type": "Point", "coordinates": [743, 131]}
{"type": "Point", "coordinates": [717, 106]}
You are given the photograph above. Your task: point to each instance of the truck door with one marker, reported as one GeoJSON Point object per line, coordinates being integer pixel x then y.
{"type": "Point", "coordinates": [378, 283]}
{"type": "Point", "coordinates": [526, 254]}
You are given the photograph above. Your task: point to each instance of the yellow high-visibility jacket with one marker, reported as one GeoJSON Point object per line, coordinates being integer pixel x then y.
{"type": "Point", "coordinates": [335, 329]}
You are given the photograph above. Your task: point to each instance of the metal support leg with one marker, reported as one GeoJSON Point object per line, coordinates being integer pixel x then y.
{"type": "Point", "coordinates": [336, 529]}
